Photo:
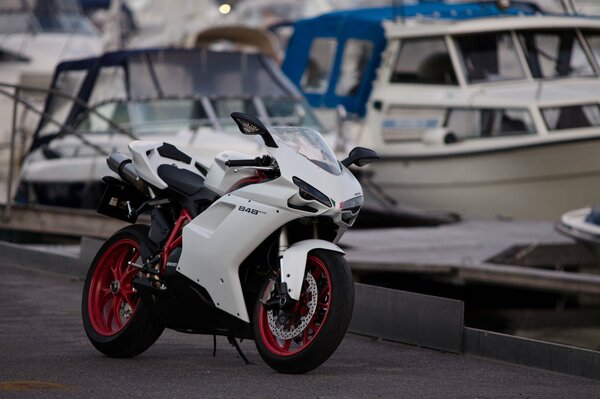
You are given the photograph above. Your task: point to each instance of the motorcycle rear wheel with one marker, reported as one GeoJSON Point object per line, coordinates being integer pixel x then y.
{"type": "Point", "coordinates": [116, 320]}
{"type": "Point", "coordinates": [318, 320]}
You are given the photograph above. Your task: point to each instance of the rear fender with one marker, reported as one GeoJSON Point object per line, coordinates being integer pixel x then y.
{"type": "Point", "coordinates": [293, 263]}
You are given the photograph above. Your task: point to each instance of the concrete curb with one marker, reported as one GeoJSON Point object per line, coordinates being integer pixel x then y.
{"type": "Point", "coordinates": [19, 255]}
{"type": "Point", "coordinates": [530, 352]}
{"type": "Point", "coordinates": [75, 266]}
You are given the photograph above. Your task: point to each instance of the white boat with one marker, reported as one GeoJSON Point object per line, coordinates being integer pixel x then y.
{"type": "Point", "coordinates": [180, 96]}
{"type": "Point", "coordinates": [34, 37]}
{"type": "Point", "coordinates": [581, 224]}
{"type": "Point", "coordinates": [490, 117]}
{"type": "Point", "coordinates": [476, 109]}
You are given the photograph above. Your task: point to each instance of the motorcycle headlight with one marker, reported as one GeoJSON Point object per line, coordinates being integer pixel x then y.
{"type": "Point", "coordinates": [352, 204]}
{"type": "Point", "coordinates": [310, 193]}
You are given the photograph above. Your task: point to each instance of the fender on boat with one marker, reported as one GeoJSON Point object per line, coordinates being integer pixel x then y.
{"type": "Point", "coordinates": [293, 263]}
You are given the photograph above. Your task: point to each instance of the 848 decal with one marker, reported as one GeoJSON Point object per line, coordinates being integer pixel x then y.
{"type": "Point", "coordinates": [250, 210]}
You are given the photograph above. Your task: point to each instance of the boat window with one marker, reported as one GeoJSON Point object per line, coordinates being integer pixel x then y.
{"type": "Point", "coordinates": [556, 53]}
{"type": "Point", "coordinates": [225, 106]}
{"type": "Point", "coordinates": [315, 78]}
{"type": "Point", "coordinates": [289, 112]}
{"type": "Point", "coordinates": [58, 107]}
{"type": "Point", "coordinates": [424, 60]}
{"type": "Point", "coordinates": [92, 123]}
{"type": "Point", "coordinates": [357, 54]}
{"type": "Point", "coordinates": [572, 117]}
{"type": "Point", "coordinates": [408, 124]}
{"type": "Point", "coordinates": [15, 22]}
{"type": "Point", "coordinates": [482, 123]}
{"type": "Point", "coordinates": [593, 39]}
{"type": "Point", "coordinates": [146, 117]}
{"type": "Point", "coordinates": [109, 85]}
{"type": "Point", "coordinates": [167, 115]}
{"type": "Point", "coordinates": [489, 57]}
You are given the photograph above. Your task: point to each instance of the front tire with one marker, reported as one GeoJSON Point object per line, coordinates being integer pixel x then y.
{"type": "Point", "coordinates": [116, 320]}
{"type": "Point", "coordinates": [317, 322]}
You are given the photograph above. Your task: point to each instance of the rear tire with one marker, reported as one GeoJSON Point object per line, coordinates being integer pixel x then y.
{"type": "Point", "coordinates": [316, 331]}
{"type": "Point", "coordinates": [116, 320]}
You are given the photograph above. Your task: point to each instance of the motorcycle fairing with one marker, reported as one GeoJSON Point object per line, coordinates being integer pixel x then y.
{"type": "Point", "coordinates": [218, 240]}
{"type": "Point", "coordinates": [147, 159]}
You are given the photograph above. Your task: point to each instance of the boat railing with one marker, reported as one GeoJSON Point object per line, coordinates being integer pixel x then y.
{"type": "Point", "coordinates": [17, 94]}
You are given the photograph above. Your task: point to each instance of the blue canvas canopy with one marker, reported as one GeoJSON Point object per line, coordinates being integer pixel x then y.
{"type": "Point", "coordinates": [366, 25]}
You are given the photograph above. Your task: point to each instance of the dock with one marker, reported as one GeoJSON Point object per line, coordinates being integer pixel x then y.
{"type": "Point", "coordinates": [530, 255]}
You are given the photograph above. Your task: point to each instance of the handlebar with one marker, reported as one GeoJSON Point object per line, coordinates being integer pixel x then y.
{"type": "Point", "coordinates": [243, 162]}
{"type": "Point", "coordinates": [258, 161]}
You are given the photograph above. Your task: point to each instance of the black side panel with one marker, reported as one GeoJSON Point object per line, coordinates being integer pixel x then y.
{"type": "Point", "coordinates": [182, 180]}
{"type": "Point", "coordinates": [170, 151]}
{"type": "Point", "coordinates": [187, 306]}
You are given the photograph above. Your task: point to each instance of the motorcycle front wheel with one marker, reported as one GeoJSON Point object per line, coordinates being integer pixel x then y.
{"type": "Point", "coordinates": [116, 320]}
{"type": "Point", "coordinates": [301, 337]}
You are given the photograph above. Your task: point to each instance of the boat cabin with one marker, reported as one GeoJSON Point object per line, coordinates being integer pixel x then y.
{"type": "Point", "coordinates": [443, 83]}
{"type": "Point", "coordinates": [333, 58]}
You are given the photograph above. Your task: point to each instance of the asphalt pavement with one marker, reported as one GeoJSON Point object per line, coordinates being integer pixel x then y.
{"type": "Point", "coordinates": [44, 353]}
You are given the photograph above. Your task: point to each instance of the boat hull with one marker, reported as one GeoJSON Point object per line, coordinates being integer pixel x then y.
{"type": "Point", "coordinates": [534, 182]}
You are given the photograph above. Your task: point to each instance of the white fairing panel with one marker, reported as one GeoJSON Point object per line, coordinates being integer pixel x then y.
{"type": "Point", "coordinates": [220, 178]}
{"type": "Point", "coordinates": [293, 263]}
{"type": "Point", "coordinates": [217, 241]}
{"type": "Point", "coordinates": [146, 160]}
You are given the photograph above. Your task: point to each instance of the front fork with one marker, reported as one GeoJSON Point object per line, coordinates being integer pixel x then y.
{"type": "Point", "coordinates": [283, 295]}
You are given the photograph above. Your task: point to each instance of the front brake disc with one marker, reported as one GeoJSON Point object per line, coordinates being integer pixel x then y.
{"type": "Point", "coordinates": [285, 333]}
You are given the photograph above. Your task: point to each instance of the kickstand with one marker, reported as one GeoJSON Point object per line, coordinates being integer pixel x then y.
{"type": "Point", "coordinates": [235, 344]}
{"type": "Point", "coordinates": [214, 345]}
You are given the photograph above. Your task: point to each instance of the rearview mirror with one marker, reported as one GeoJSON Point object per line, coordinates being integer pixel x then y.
{"type": "Point", "coordinates": [360, 156]}
{"type": "Point", "coordinates": [251, 125]}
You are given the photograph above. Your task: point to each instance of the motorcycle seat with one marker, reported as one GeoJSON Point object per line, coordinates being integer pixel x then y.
{"type": "Point", "coordinates": [181, 180]}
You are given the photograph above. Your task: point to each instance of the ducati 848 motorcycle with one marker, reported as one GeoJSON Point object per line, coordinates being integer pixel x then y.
{"type": "Point", "coordinates": [244, 249]}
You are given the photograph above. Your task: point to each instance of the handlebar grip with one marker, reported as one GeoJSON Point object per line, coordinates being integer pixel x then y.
{"type": "Point", "coordinates": [244, 162]}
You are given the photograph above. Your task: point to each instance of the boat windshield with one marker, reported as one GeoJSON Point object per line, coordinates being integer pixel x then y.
{"type": "Point", "coordinates": [170, 115]}
{"type": "Point", "coordinates": [49, 16]}
{"type": "Point", "coordinates": [555, 53]}
{"type": "Point", "coordinates": [489, 57]}
{"type": "Point", "coordinates": [280, 111]}
{"type": "Point", "coordinates": [310, 144]}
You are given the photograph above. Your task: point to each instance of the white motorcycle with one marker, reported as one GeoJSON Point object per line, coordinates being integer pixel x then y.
{"type": "Point", "coordinates": [245, 248]}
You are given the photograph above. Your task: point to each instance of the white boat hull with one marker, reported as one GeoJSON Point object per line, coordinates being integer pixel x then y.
{"type": "Point", "coordinates": [535, 182]}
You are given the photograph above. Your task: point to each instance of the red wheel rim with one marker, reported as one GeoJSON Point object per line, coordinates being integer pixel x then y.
{"type": "Point", "coordinates": [112, 300]}
{"type": "Point", "coordinates": [295, 345]}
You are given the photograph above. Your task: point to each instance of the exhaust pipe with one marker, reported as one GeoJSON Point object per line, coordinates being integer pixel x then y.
{"type": "Point", "coordinates": [122, 166]}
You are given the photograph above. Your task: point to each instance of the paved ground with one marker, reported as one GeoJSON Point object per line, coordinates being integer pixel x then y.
{"type": "Point", "coordinates": [42, 341]}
